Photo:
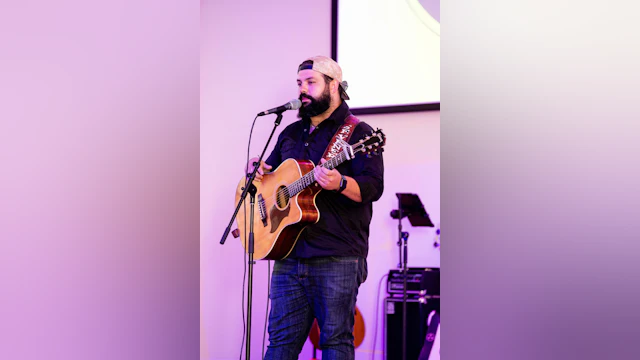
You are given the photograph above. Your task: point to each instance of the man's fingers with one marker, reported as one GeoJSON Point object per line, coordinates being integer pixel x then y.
{"type": "Point", "coordinates": [321, 178]}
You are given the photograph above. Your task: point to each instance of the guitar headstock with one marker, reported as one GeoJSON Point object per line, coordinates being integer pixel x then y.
{"type": "Point", "coordinates": [372, 144]}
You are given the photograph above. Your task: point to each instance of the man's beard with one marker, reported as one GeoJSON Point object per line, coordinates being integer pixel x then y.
{"type": "Point", "coordinates": [316, 106]}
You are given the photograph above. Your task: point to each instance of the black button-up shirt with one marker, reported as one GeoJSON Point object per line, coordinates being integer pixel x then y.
{"type": "Point", "coordinates": [343, 228]}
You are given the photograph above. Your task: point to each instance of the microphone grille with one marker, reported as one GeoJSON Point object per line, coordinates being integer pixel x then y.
{"type": "Point", "coordinates": [295, 104]}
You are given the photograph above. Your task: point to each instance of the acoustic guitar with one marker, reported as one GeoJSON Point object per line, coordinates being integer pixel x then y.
{"type": "Point", "coordinates": [285, 200]}
{"type": "Point", "coordinates": [358, 332]}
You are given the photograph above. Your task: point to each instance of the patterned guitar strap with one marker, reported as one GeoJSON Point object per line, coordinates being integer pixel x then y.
{"type": "Point", "coordinates": [431, 348]}
{"type": "Point", "coordinates": [343, 134]}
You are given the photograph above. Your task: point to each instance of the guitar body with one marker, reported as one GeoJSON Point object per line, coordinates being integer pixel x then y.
{"type": "Point", "coordinates": [279, 223]}
{"type": "Point", "coordinates": [358, 331]}
{"type": "Point", "coordinates": [285, 201]}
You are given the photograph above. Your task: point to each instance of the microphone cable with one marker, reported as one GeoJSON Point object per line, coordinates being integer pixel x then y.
{"type": "Point", "coordinates": [266, 315]}
{"type": "Point", "coordinates": [375, 328]}
{"type": "Point", "coordinates": [244, 253]}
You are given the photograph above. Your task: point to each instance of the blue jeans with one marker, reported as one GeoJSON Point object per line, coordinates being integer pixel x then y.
{"type": "Point", "coordinates": [323, 288]}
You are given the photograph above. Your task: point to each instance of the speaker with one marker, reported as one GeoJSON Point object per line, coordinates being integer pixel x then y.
{"type": "Point", "coordinates": [422, 281]}
{"type": "Point", "coordinates": [417, 313]}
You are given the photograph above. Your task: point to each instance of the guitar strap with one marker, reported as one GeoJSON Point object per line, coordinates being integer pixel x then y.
{"type": "Point", "coordinates": [344, 133]}
{"type": "Point", "coordinates": [431, 348]}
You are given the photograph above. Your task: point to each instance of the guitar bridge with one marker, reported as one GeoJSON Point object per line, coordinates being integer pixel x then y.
{"type": "Point", "coordinates": [262, 208]}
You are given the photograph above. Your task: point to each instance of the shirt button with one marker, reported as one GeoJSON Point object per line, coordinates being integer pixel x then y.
{"type": "Point", "coordinates": [306, 144]}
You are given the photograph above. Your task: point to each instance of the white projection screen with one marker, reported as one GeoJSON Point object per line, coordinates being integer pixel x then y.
{"type": "Point", "coordinates": [389, 51]}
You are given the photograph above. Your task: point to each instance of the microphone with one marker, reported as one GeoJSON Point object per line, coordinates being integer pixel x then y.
{"type": "Point", "coordinates": [294, 104]}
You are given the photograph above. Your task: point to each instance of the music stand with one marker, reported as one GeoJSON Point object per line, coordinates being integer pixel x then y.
{"type": "Point", "coordinates": [410, 206]}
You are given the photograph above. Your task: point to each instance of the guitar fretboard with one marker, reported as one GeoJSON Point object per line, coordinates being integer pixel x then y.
{"type": "Point", "coordinates": [308, 179]}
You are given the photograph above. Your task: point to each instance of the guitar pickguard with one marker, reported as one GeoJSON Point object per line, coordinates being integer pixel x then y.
{"type": "Point", "coordinates": [276, 215]}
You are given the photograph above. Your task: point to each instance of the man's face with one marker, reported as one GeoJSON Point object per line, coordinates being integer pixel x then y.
{"type": "Point", "coordinates": [313, 92]}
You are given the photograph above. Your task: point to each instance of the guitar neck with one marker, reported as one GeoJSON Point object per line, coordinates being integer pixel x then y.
{"type": "Point", "coordinates": [309, 178]}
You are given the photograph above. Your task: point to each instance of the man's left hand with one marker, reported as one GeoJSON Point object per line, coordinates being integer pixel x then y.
{"type": "Point", "coordinates": [328, 179]}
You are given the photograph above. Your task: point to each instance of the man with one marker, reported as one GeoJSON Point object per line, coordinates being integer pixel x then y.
{"type": "Point", "coordinates": [321, 276]}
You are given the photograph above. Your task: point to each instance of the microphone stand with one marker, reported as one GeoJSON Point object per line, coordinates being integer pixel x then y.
{"type": "Point", "coordinates": [251, 189]}
{"type": "Point", "coordinates": [408, 205]}
{"type": "Point", "coordinates": [403, 236]}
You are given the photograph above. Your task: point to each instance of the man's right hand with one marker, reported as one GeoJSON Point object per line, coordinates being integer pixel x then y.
{"type": "Point", "coordinates": [261, 170]}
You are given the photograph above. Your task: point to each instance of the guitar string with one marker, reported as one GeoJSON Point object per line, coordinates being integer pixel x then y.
{"type": "Point", "coordinates": [357, 147]}
{"type": "Point", "coordinates": [308, 177]}
{"type": "Point", "coordinates": [300, 183]}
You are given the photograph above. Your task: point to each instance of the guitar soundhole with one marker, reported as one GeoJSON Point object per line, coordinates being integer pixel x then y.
{"type": "Point", "coordinates": [282, 197]}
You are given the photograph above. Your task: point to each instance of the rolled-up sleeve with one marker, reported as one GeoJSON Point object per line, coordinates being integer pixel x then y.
{"type": "Point", "coordinates": [275, 158]}
{"type": "Point", "coordinates": [368, 172]}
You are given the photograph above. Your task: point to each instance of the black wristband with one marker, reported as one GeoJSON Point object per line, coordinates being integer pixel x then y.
{"type": "Point", "coordinates": [343, 184]}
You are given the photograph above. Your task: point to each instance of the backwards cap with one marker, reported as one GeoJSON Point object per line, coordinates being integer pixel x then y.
{"type": "Point", "coordinates": [329, 67]}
